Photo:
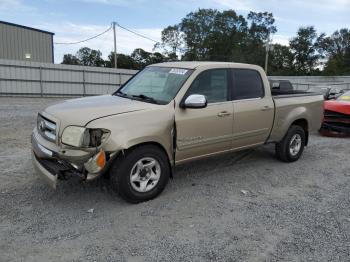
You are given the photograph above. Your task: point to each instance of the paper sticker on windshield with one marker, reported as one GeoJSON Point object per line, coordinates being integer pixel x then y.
{"type": "Point", "coordinates": [178, 71]}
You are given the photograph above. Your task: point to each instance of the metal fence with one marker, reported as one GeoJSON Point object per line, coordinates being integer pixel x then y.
{"type": "Point", "coordinates": [21, 78]}
{"type": "Point", "coordinates": [314, 87]}
{"type": "Point", "coordinates": [41, 79]}
{"type": "Point", "coordinates": [316, 82]}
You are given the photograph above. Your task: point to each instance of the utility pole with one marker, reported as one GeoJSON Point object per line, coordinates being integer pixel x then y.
{"type": "Point", "coordinates": [267, 53]}
{"type": "Point", "coordinates": [115, 46]}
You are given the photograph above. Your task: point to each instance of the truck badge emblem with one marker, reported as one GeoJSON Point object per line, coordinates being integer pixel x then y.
{"type": "Point", "coordinates": [42, 125]}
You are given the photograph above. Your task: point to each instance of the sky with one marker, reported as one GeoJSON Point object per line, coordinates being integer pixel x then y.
{"type": "Point", "coordinates": [75, 20]}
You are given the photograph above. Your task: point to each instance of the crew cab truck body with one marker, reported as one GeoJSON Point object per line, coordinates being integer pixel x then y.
{"type": "Point", "coordinates": [168, 114]}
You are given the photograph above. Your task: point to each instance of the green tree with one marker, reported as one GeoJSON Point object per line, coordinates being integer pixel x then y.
{"type": "Point", "coordinates": [305, 48]}
{"type": "Point", "coordinates": [337, 49]}
{"type": "Point", "coordinates": [197, 29]}
{"type": "Point", "coordinates": [70, 59]}
{"type": "Point", "coordinates": [141, 57]}
{"type": "Point", "coordinates": [227, 36]}
{"type": "Point", "coordinates": [171, 41]}
{"type": "Point", "coordinates": [90, 57]}
{"type": "Point", "coordinates": [157, 58]}
{"type": "Point", "coordinates": [261, 25]}
{"type": "Point", "coordinates": [281, 60]}
{"type": "Point", "coordinates": [123, 61]}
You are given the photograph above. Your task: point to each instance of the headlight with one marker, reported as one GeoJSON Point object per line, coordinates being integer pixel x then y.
{"type": "Point", "coordinates": [84, 137]}
{"type": "Point", "coordinates": [73, 136]}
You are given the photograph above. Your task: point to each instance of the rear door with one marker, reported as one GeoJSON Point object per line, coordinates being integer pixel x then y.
{"type": "Point", "coordinates": [206, 130]}
{"type": "Point", "coordinates": [253, 109]}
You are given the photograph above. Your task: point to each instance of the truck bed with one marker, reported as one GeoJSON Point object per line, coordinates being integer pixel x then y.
{"type": "Point", "coordinates": [291, 93]}
{"type": "Point", "coordinates": [288, 104]}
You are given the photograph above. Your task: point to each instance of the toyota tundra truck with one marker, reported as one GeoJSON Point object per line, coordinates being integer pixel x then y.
{"type": "Point", "coordinates": [168, 114]}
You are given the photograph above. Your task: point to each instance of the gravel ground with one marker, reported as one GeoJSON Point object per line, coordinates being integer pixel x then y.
{"type": "Point", "coordinates": [290, 212]}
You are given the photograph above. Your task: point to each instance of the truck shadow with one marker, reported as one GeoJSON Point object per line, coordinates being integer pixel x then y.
{"type": "Point", "coordinates": [184, 176]}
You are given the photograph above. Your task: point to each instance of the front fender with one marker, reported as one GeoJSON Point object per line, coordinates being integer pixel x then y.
{"type": "Point", "coordinates": [147, 126]}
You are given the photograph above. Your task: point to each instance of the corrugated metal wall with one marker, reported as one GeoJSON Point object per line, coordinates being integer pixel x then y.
{"type": "Point", "coordinates": [17, 41]}
{"type": "Point", "coordinates": [43, 79]}
{"type": "Point", "coordinates": [305, 82]}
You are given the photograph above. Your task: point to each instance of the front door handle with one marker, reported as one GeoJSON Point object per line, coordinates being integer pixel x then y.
{"type": "Point", "coordinates": [266, 108]}
{"type": "Point", "coordinates": [223, 114]}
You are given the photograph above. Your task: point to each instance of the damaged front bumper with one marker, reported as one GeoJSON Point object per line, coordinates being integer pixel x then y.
{"type": "Point", "coordinates": [50, 178]}
{"type": "Point", "coordinates": [53, 164]}
{"type": "Point", "coordinates": [335, 124]}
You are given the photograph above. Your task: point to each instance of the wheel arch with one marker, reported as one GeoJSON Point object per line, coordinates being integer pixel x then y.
{"type": "Point", "coordinates": [153, 143]}
{"type": "Point", "coordinates": [303, 123]}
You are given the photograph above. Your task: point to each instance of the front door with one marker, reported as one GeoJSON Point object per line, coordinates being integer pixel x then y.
{"type": "Point", "coordinates": [207, 130]}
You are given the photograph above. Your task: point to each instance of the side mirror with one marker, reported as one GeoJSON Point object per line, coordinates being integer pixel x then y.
{"type": "Point", "coordinates": [195, 101]}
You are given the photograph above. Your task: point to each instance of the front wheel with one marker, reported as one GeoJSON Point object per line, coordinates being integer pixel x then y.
{"type": "Point", "coordinates": [141, 174]}
{"type": "Point", "coordinates": [292, 145]}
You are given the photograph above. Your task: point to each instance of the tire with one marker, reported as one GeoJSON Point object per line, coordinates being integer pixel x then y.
{"type": "Point", "coordinates": [121, 175]}
{"type": "Point", "coordinates": [284, 149]}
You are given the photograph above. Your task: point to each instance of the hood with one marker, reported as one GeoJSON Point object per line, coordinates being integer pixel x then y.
{"type": "Point", "coordinates": [337, 106]}
{"type": "Point", "coordinates": [80, 111]}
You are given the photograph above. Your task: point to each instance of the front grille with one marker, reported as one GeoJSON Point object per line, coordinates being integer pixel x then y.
{"type": "Point", "coordinates": [52, 165]}
{"type": "Point", "coordinates": [61, 168]}
{"type": "Point", "coordinates": [334, 121]}
{"type": "Point", "coordinates": [335, 115]}
{"type": "Point", "coordinates": [46, 128]}
{"type": "Point", "coordinates": [338, 127]}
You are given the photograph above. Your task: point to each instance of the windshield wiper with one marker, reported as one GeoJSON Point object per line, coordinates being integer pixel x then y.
{"type": "Point", "coordinates": [140, 97]}
{"type": "Point", "coordinates": [146, 98]}
{"type": "Point", "coordinates": [121, 93]}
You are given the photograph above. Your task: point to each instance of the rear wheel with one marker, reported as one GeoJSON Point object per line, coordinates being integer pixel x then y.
{"type": "Point", "coordinates": [141, 174]}
{"type": "Point", "coordinates": [292, 145]}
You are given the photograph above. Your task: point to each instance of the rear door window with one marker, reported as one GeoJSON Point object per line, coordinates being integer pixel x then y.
{"type": "Point", "coordinates": [247, 84]}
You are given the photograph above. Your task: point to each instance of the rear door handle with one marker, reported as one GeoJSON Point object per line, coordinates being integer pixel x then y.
{"type": "Point", "coordinates": [223, 114]}
{"type": "Point", "coordinates": [266, 108]}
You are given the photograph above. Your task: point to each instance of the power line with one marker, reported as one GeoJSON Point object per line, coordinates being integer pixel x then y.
{"type": "Point", "coordinates": [93, 37]}
{"type": "Point", "coordinates": [85, 40]}
{"type": "Point", "coordinates": [138, 34]}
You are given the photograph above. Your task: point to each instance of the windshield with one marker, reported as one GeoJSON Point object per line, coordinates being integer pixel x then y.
{"type": "Point", "coordinates": [155, 84]}
{"type": "Point", "coordinates": [345, 97]}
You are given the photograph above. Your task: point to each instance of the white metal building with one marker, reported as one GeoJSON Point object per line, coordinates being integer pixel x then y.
{"type": "Point", "coordinates": [18, 42]}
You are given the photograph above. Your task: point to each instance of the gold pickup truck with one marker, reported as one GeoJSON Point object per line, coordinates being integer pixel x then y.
{"type": "Point", "coordinates": [168, 114]}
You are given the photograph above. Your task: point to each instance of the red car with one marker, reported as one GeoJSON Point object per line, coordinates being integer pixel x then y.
{"type": "Point", "coordinates": [336, 121]}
